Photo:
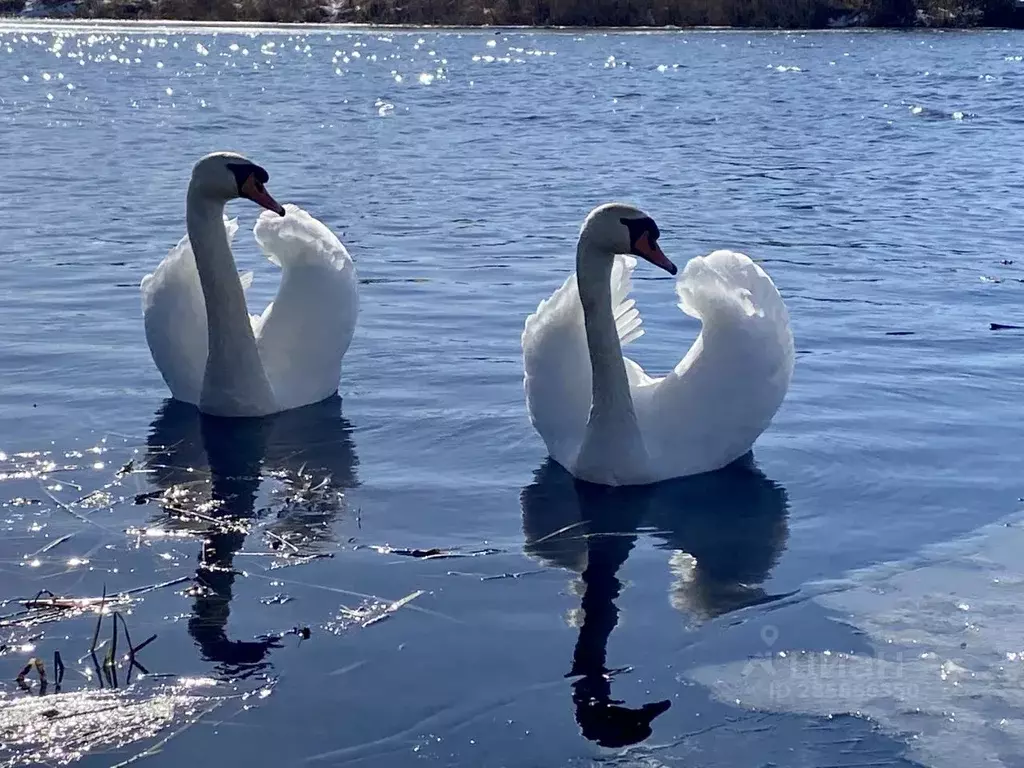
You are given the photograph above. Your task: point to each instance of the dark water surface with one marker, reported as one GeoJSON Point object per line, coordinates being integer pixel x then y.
{"type": "Point", "coordinates": [877, 178]}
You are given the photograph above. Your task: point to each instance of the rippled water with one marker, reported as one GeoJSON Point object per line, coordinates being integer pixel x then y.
{"type": "Point", "coordinates": [875, 176]}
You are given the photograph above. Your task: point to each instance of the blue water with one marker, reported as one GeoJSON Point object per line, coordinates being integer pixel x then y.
{"type": "Point", "coordinates": [876, 178]}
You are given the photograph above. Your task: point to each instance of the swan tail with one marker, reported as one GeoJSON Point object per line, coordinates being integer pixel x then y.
{"type": "Point", "coordinates": [174, 317]}
{"type": "Point", "coordinates": [297, 239]}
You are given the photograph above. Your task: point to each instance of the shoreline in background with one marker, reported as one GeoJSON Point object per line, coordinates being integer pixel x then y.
{"type": "Point", "coordinates": [104, 22]}
{"type": "Point", "coordinates": [555, 15]}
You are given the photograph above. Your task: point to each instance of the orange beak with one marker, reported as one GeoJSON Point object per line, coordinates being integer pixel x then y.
{"type": "Point", "coordinates": [644, 248]}
{"type": "Point", "coordinates": [255, 191]}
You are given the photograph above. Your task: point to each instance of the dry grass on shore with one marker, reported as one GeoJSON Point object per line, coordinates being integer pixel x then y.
{"type": "Point", "coordinates": [580, 13]}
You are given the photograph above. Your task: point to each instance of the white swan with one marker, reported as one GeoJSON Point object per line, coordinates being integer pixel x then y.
{"type": "Point", "coordinates": [605, 420]}
{"type": "Point", "coordinates": [209, 350]}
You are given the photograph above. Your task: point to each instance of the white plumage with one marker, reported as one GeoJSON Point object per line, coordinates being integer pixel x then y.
{"type": "Point", "coordinates": [300, 338]}
{"type": "Point", "coordinates": [704, 414]}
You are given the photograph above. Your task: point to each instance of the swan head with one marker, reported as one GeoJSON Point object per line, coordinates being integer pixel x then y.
{"type": "Point", "coordinates": [616, 228]}
{"type": "Point", "coordinates": [226, 175]}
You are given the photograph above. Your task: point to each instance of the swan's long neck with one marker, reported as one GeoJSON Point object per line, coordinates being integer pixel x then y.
{"type": "Point", "coordinates": [610, 384]}
{"type": "Point", "coordinates": [234, 383]}
{"type": "Point", "coordinates": [612, 441]}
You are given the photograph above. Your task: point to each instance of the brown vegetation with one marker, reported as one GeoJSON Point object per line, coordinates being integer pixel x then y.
{"type": "Point", "coordinates": [583, 13]}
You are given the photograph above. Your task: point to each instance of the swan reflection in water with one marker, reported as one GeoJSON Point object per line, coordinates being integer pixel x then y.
{"type": "Point", "coordinates": [725, 529]}
{"type": "Point", "coordinates": [215, 467]}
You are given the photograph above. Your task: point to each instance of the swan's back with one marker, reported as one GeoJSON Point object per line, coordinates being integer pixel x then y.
{"type": "Point", "coordinates": [724, 393]}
